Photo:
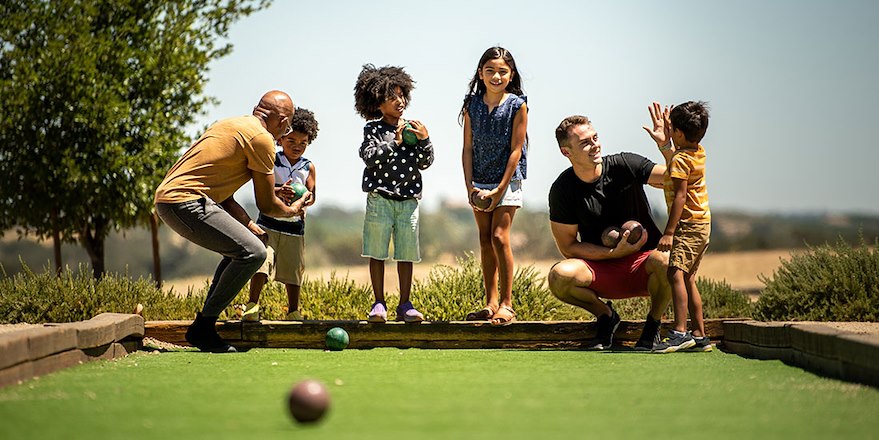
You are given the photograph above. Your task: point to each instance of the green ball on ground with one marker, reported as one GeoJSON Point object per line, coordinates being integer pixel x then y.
{"type": "Point", "coordinates": [308, 401]}
{"type": "Point", "coordinates": [337, 339]}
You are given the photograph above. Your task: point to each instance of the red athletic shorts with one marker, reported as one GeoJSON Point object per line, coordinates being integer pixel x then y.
{"type": "Point", "coordinates": [620, 278]}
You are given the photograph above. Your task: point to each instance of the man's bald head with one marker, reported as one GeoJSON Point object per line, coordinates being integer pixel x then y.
{"type": "Point", "coordinates": [276, 102]}
{"type": "Point", "coordinates": [274, 108]}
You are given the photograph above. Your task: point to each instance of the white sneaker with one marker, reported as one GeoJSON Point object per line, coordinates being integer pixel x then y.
{"type": "Point", "coordinates": [251, 312]}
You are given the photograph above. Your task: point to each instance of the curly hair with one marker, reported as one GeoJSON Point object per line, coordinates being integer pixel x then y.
{"type": "Point", "coordinates": [304, 122]}
{"type": "Point", "coordinates": [377, 85]}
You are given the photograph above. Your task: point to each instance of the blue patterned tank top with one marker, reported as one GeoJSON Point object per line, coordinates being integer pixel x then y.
{"type": "Point", "coordinates": [492, 135]}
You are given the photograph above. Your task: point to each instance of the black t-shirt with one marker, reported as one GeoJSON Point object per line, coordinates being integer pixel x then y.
{"type": "Point", "coordinates": [616, 197]}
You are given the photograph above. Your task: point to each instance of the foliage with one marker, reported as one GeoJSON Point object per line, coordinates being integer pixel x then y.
{"type": "Point", "coordinates": [78, 296]}
{"type": "Point", "coordinates": [448, 293]}
{"type": "Point", "coordinates": [96, 96]}
{"type": "Point", "coordinates": [827, 283]}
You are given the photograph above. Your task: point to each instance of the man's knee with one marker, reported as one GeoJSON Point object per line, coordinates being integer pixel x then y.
{"type": "Point", "coordinates": [566, 274]}
{"type": "Point", "coordinates": [657, 262]}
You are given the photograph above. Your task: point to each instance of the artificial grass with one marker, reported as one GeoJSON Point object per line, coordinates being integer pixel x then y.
{"type": "Point", "coordinates": [447, 394]}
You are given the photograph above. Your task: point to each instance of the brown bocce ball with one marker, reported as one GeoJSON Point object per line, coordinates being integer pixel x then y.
{"type": "Point", "coordinates": [610, 237]}
{"type": "Point", "coordinates": [308, 401]}
{"type": "Point", "coordinates": [635, 230]}
{"type": "Point", "coordinates": [479, 202]}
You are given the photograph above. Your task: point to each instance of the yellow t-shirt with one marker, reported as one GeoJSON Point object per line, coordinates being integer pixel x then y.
{"type": "Point", "coordinates": [220, 162]}
{"type": "Point", "coordinates": [689, 166]}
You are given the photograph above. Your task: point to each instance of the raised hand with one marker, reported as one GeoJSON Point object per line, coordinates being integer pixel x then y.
{"type": "Point", "coordinates": [661, 127]}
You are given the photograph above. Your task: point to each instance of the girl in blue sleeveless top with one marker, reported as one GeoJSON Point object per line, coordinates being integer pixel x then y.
{"type": "Point", "coordinates": [495, 119]}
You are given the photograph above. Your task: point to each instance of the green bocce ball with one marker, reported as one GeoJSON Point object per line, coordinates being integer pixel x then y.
{"type": "Point", "coordinates": [409, 137]}
{"type": "Point", "coordinates": [299, 190]}
{"type": "Point", "coordinates": [337, 339]}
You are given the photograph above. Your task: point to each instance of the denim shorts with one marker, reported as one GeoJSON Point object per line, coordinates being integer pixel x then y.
{"type": "Point", "coordinates": [513, 195]}
{"type": "Point", "coordinates": [391, 218]}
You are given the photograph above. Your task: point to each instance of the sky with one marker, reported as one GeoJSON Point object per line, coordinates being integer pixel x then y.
{"type": "Point", "coordinates": [792, 86]}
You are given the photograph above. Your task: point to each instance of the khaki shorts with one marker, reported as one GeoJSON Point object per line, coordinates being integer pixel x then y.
{"type": "Point", "coordinates": [690, 242]}
{"type": "Point", "coordinates": [285, 258]}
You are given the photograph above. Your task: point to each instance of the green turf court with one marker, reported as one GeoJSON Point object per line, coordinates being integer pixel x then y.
{"type": "Point", "coordinates": [446, 394]}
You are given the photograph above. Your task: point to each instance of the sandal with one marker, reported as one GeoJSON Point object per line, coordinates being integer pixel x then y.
{"type": "Point", "coordinates": [483, 315]}
{"type": "Point", "coordinates": [504, 316]}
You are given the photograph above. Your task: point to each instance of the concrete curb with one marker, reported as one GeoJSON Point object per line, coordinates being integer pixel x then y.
{"type": "Point", "coordinates": [36, 351]}
{"type": "Point", "coordinates": [814, 347]}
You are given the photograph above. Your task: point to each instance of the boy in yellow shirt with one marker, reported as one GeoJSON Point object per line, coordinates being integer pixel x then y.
{"type": "Point", "coordinates": [687, 232]}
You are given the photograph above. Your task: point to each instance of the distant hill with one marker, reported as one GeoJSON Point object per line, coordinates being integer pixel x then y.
{"type": "Point", "coordinates": [333, 238]}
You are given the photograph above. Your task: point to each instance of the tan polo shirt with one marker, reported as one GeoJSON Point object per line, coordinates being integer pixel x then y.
{"type": "Point", "coordinates": [220, 162]}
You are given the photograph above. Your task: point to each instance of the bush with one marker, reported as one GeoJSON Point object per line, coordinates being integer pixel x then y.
{"type": "Point", "coordinates": [826, 283]}
{"type": "Point", "coordinates": [77, 296]}
{"type": "Point", "coordinates": [448, 294]}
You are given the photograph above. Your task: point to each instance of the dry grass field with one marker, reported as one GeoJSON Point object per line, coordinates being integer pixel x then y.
{"type": "Point", "coordinates": [740, 269]}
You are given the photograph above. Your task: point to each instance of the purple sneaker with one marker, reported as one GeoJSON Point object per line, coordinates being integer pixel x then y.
{"type": "Point", "coordinates": [379, 313]}
{"type": "Point", "coordinates": [406, 312]}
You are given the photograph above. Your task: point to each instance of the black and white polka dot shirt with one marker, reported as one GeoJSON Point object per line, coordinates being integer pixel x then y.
{"type": "Point", "coordinates": [393, 171]}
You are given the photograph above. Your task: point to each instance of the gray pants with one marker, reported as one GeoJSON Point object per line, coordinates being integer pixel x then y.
{"type": "Point", "coordinates": [208, 225]}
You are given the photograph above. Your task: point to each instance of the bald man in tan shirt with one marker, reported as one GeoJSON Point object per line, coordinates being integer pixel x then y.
{"type": "Point", "coordinates": [196, 200]}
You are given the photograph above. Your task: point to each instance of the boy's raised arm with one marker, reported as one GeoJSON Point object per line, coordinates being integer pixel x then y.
{"type": "Point", "coordinates": [661, 129]}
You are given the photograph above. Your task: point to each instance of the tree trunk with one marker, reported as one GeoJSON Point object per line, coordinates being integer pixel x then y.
{"type": "Point", "coordinates": [93, 242]}
{"type": "Point", "coordinates": [157, 263]}
{"type": "Point", "coordinates": [56, 245]}
{"type": "Point", "coordinates": [56, 241]}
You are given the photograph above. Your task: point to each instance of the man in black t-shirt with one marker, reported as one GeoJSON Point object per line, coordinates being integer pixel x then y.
{"type": "Point", "coordinates": [595, 193]}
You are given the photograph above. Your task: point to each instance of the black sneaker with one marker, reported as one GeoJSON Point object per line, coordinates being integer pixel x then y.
{"type": "Point", "coordinates": [202, 334]}
{"type": "Point", "coordinates": [674, 341]}
{"type": "Point", "coordinates": [650, 335]}
{"type": "Point", "coordinates": [702, 344]}
{"type": "Point", "coordinates": [607, 326]}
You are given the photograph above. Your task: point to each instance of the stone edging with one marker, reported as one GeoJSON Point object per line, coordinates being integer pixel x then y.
{"type": "Point", "coordinates": [815, 347]}
{"type": "Point", "coordinates": [38, 350]}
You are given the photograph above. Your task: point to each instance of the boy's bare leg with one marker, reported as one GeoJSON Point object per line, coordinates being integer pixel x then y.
{"type": "Point", "coordinates": [257, 282]}
{"type": "Point", "coordinates": [292, 297]}
{"type": "Point", "coordinates": [404, 272]}
{"type": "Point", "coordinates": [695, 306]}
{"type": "Point", "coordinates": [679, 298]}
{"type": "Point", "coordinates": [377, 277]}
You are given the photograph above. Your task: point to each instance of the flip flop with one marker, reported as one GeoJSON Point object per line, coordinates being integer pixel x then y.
{"type": "Point", "coordinates": [482, 315]}
{"type": "Point", "coordinates": [503, 316]}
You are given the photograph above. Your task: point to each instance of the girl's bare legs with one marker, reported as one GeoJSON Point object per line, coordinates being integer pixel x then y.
{"type": "Point", "coordinates": [501, 222]}
{"type": "Point", "coordinates": [487, 258]}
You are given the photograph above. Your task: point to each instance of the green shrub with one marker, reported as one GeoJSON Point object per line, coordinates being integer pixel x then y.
{"type": "Point", "coordinates": [76, 296]}
{"type": "Point", "coordinates": [826, 283]}
{"type": "Point", "coordinates": [448, 293]}
{"type": "Point", "coordinates": [336, 298]}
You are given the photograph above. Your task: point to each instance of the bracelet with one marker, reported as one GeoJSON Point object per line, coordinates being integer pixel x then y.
{"type": "Point", "coordinates": [666, 147]}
